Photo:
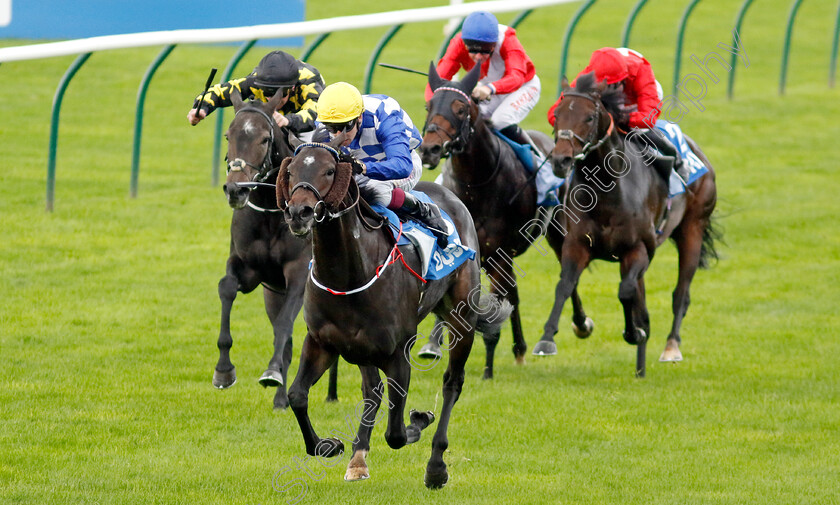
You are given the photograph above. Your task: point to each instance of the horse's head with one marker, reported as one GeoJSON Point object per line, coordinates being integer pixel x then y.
{"type": "Point", "coordinates": [312, 185]}
{"type": "Point", "coordinates": [451, 114]}
{"type": "Point", "coordinates": [583, 121]}
{"type": "Point", "coordinates": [255, 146]}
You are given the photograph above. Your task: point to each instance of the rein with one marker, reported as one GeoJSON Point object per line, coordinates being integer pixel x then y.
{"type": "Point", "coordinates": [392, 258]}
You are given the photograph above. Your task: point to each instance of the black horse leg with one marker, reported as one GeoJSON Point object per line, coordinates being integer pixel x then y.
{"type": "Point", "coordinates": [689, 244]}
{"type": "Point", "coordinates": [633, 266]}
{"type": "Point", "coordinates": [575, 259]}
{"type": "Point", "coordinates": [224, 375]}
{"type": "Point", "coordinates": [432, 349]}
{"type": "Point", "coordinates": [282, 309]}
{"type": "Point", "coordinates": [581, 324]}
{"type": "Point", "coordinates": [372, 391]}
{"type": "Point", "coordinates": [314, 361]}
{"type": "Point", "coordinates": [332, 389]}
{"type": "Point", "coordinates": [461, 341]}
{"type": "Point", "coordinates": [398, 377]}
{"type": "Point", "coordinates": [519, 345]}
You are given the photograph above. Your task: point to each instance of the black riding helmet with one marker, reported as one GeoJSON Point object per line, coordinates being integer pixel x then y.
{"type": "Point", "coordinates": [276, 70]}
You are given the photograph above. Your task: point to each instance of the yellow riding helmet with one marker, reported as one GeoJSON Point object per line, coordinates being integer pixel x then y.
{"type": "Point", "coordinates": [340, 102]}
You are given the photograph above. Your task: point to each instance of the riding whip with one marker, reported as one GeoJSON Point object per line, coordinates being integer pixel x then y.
{"type": "Point", "coordinates": [404, 69]}
{"type": "Point", "coordinates": [206, 87]}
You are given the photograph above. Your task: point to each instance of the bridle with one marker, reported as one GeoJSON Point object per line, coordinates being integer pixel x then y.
{"type": "Point", "coordinates": [456, 144]}
{"type": "Point", "coordinates": [267, 169]}
{"type": "Point", "coordinates": [588, 144]}
{"type": "Point", "coordinates": [326, 213]}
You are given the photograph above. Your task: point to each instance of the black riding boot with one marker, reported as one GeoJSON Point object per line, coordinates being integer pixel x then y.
{"type": "Point", "coordinates": [427, 214]}
{"type": "Point", "coordinates": [670, 155]}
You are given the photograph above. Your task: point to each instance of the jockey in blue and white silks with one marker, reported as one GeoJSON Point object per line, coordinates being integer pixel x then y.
{"type": "Point", "coordinates": [382, 140]}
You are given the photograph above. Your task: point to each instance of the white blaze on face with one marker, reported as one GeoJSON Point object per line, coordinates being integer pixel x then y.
{"type": "Point", "coordinates": [249, 127]}
{"type": "Point", "coordinates": [309, 160]}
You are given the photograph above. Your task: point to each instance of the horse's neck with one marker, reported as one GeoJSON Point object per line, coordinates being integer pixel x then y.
{"type": "Point", "coordinates": [346, 254]}
{"type": "Point", "coordinates": [479, 157]}
{"type": "Point", "coordinates": [611, 171]}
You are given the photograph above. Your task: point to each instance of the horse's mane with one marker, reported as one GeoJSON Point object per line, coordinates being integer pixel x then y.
{"type": "Point", "coordinates": [613, 99]}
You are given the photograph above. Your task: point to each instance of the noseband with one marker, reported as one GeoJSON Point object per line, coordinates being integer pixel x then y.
{"type": "Point", "coordinates": [587, 143]}
{"type": "Point", "coordinates": [457, 144]}
{"type": "Point", "coordinates": [267, 169]}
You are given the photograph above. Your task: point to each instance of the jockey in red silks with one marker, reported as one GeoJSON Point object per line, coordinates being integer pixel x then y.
{"type": "Point", "coordinates": [628, 70]}
{"type": "Point", "coordinates": [508, 87]}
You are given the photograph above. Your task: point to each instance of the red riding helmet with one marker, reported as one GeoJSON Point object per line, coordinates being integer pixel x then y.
{"type": "Point", "coordinates": [609, 64]}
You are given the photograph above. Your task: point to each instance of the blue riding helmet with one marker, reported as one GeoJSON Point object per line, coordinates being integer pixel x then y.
{"type": "Point", "coordinates": [481, 26]}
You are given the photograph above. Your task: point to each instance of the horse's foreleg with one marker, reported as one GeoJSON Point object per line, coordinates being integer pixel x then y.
{"type": "Point", "coordinates": [461, 341]}
{"type": "Point", "coordinates": [630, 293]}
{"type": "Point", "coordinates": [224, 375]}
{"type": "Point", "coordinates": [314, 361]}
{"type": "Point", "coordinates": [503, 283]}
{"type": "Point", "coordinates": [282, 309]}
{"type": "Point", "coordinates": [332, 386]}
{"type": "Point", "coordinates": [398, 378]}
{"type": "Point", "coordinates": [575, 259]}
{"type": "Point", "coordinates": [582, 325]}
{"type": "Point", "coordinates": [689, 243]}
{"type": "Point", "coordinates": [372, 391]}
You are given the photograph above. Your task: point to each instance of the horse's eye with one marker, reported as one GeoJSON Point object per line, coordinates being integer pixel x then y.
{"type": "Point", "coordinates": [590, 118]}
{"type": "Point", "coordinates": [331, 172]}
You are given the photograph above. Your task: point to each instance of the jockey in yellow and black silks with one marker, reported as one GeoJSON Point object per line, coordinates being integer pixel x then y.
{"type": "Point", "coordinates": [277, 72]}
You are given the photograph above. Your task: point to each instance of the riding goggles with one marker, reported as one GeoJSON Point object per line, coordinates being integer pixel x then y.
{"type": "Point", "coordinates": [270, 91]}
{"type": "Point", "coordinates": [478, 47]}
{"type": "Point", "coordinates": [335, 128]}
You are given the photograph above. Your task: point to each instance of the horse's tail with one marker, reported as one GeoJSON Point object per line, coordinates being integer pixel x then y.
{"type": "Point", "coordinates": [712, 234]}
{"type": "Point", "coordinates": [493, 310]}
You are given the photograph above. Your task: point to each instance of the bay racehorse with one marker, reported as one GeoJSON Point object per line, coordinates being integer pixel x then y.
{"type": "Point", "coordinates": [262, 250]}
{"type": "Point", "coordinates": [485, 173]}
{"type": "Point", "coordinates": [363, 302]}
{"type": "Point", "coordinates": [616, 208]}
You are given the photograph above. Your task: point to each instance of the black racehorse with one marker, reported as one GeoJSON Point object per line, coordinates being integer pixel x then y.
{"type": "Point", "coordinates": [363, 302]}
{"type": "Point", "coordinates": [485, 173]}
{"type": "Point", "coordinates": [616, 208]}
{"type": "Point", "coordinates": [262, 250]}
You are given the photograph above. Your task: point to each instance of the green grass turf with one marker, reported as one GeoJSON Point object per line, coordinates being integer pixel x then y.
{"type": "Point", "coordinates": [110, 314]}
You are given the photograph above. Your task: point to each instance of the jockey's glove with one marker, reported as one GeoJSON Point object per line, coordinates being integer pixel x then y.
{"type": "Point", "coordinates": [358, 166]}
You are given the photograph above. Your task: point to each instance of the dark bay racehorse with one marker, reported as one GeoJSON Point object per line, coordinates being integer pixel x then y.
{"type": "Point", "coordinates": [363, 302]}
{"type": "Point", "coordinates": [485, 173]}
{"type": "Point", "coordinates": [262, 250]}
{"type": "Point", "coordinates": [616, 208]}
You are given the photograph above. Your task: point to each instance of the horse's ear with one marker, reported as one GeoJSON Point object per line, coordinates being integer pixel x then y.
{"type": "Point", "coordinates": [294, 141]}
{"type": "Point", "coordinates": [236, 98]}
{"type": "Point", "coordinates": [564, 83]}
{"type": "Point", "coordinates": [471, 79]}
{"type": "Point", "coordinates": [282, 184]}
{"type": "Point", "coordinates": [273, 102]}
{"type": "Point", "coordinates": [338, 140]}
{"type": "Point", "coordinates": [434, 78]}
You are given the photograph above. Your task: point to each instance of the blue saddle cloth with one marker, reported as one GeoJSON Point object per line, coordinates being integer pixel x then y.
{"type": "Point", "coordinates": [436, 262]}
{"type": "Point", "coordinates": [696, 168]}
{"type": "Point", "coordinates": [547, 182]}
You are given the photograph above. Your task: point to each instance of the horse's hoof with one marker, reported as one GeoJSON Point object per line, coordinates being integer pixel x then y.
{"type": "Point", "coordinates": [271, 378]}
{"type": "Point", "coordinates": [224, 380]}
{"type": "Point", "coordinates": [545, 348]}
{"type": "Point", "coordinates": [672, 353]}
{"type": "Point", "coordinates": [329, 447]}
{"type": "Point", "coordinates": [421, 419]}
{"type": "Point", "coordinates": [331, 398]}
{"type": "Point", "coordinates": [437, 478]}
{"type": "Point", "coordinates": [520, 360]}
{"type": "Point", "coordinates": [586, 331]}
{"type": "Point", "coordinates": [430, 351]}
{"type": "Point", "coordinates": [281, 401]}
{"type": "Point", "coordinates": [357, 468]}
{"type": "Point", "coordinates": [636, 337]}
{"type": "Point", "coordinates": [488, 374]}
